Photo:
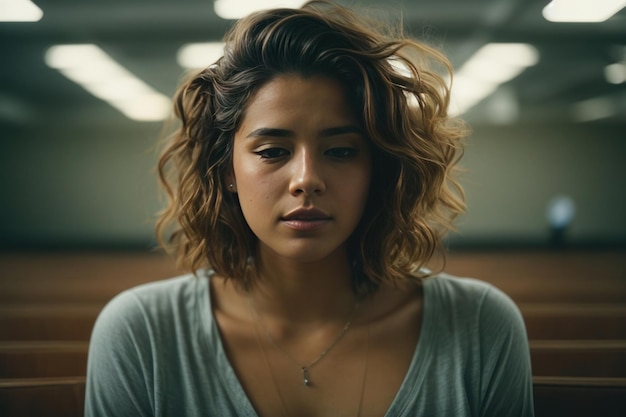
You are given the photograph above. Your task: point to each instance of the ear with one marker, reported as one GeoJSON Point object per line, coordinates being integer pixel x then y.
{"type": "Point", "coordinates": [230, 183]}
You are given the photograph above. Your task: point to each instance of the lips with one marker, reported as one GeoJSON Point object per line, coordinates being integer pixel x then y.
{"type": "Point", "coordinates": [306, 219]}
{"type": "Point", "coordinates": [306, 214]}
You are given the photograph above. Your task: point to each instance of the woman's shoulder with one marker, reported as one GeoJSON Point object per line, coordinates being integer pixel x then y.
{"type": "Point", "coordinates": [456, 285]}
{"type": "Point", "coordinates": [166, 288]}
{"type": "Point", "coordinates": [450, 288]}
{"type": "Point", "coordinates": [470, 298]}
{"type": "Point", "coordinates": [153, 300]}
{"type": "Point", "coordinates": [155, 291]}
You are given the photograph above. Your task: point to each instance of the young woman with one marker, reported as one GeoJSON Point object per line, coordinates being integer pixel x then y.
{"type": "Point", "coordinates": [310, 181]}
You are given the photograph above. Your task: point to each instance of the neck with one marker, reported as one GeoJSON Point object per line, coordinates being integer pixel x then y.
{"type": "Point", "coordinates": [304, 292]}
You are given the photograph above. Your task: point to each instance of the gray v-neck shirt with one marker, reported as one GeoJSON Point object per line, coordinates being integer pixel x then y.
{"type": "Point", "coordinates": [156, 351]}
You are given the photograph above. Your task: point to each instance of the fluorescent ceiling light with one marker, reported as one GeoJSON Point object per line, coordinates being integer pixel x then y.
{"type": "Point", "coordinates": [507, 54]}
{"type": "Point", "coordinates": [615, 73]}
{"type": "Point", "coordinates": [199, 55]}
{"type": "Point", "coordinates": [492, 65]}
{"type": "Point", "coordinates": [94, 70]}
{"type": "Point", "coordinates": [148, 107]}
{"type": "Point", "coordinates": [19, 11]}
{"type": "Point", "coordinates": [582, 10]}
{"type": "Point", "coordinates": [467, 91]}
{"type": "Point", "coordinates": [236, 9]}
{"type": "Point", "coordinates": [594, 109]}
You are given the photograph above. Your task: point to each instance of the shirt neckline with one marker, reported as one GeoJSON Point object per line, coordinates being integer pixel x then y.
{"type": "Point", "coordinates": [209, 331]}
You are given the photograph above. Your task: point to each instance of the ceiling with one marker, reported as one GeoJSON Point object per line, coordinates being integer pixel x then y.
{"type": "Point", "coordinates": [144, 36]}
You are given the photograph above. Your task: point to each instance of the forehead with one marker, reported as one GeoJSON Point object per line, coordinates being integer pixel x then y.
{"type": "Point", "coordinates": [290, 95]}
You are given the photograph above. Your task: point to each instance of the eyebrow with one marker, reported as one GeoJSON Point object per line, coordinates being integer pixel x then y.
{"type": "Point", "coordinates": [284, 133]}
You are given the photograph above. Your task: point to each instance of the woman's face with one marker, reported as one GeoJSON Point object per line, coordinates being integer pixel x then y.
{"type": "Point", "coordinates": [301, 168]}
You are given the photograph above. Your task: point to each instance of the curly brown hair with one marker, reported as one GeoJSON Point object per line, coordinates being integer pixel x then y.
{"type": "Point", "coordinates": [399, 90]}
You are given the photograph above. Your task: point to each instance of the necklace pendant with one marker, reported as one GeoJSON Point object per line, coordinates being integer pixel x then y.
{"type": "Point", "coordinates": [305, 377]}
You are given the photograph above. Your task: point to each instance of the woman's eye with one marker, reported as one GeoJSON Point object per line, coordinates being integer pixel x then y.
{"type": "Point", "coordinates": [341, 152]}
{"type": "Point", "coordinates": [271, 153]}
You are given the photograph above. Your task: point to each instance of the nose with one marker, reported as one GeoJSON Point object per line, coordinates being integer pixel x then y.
{"type": "Point", "coordinates": [307, 177]}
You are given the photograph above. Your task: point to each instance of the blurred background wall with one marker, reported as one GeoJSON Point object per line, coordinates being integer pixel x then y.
{"type": "Point", "coordinates": [75, 172]}
{"type": "Point", "coordinates": [67, 185]}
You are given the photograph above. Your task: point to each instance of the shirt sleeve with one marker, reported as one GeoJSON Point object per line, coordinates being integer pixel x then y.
{"type": "Point", "coordinates": [119, 367]}
{"type": "Point", "coordinates": [506, 382]}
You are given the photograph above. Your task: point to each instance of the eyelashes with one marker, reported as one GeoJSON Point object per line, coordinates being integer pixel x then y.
{"type": "Point", "coordinates": [275, 153]}
{"type": "Point", "coordinates": [342, 153]}
{"type": "Point", "coordinates": [271, 153]}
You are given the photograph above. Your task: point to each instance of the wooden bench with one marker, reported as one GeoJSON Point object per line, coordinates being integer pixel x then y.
{"type": "Point", "coordinates": [553, 396]}
{"type": "Point", "coordinates": [48, 322]}
{"type": "Point", "coordinates": [579, 397]}
{"type": "Point", "coordinates": [52, 341]}
{"type": "Point", "coordinates": [578, 358]}
{"type": "Point", "coordinates": [574, 306]}
{"type": "Point", "coordinates": [37, 397]}
{"type": "Point", "coordinates": [573, 276]}
{"type": "Point", "coordinates": [557, 321]}
{"type": "Point", "coordinates": [543, 276]}
{"type": "Point", "coordinates": [43, 359]}
{"type": "Point", "coordinates": [543, 321]}
{"type": "Point", "coordinates": [77, 277]}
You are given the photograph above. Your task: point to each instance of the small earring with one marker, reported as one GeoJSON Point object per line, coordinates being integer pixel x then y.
{"type": "Point", "coordinates": [231, 186]}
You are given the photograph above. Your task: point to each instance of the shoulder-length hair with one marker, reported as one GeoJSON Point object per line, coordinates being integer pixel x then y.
{"type": "Point", "coordinates": [397, 87]}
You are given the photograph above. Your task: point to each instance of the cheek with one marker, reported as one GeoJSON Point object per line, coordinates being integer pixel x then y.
{"type": "Point", "coordinates": [362, 181]}
{"type": "Point", "coordinates": [245, 172]}
{"type": "Point", "coordinates": [354, 191]}
{"type": "Point", "coordinates": [256, 186]}
{"type": "Point", "coordinates": [257, 193]}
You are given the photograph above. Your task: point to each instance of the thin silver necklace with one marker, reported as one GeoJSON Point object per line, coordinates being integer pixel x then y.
{"type": "Point", "coordinates": [278, 392]}
{"type": "Point", "coordinates": [306, 378]}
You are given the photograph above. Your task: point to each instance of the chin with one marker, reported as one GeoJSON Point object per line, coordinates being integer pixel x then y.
{"type": "Point", "coordinates": [309, 253]}
{"type": "Point", "coordinates": [307, 257]}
